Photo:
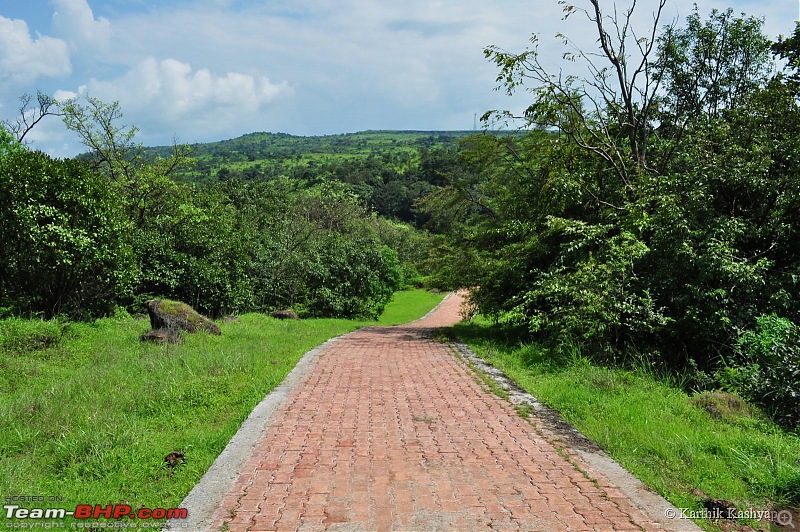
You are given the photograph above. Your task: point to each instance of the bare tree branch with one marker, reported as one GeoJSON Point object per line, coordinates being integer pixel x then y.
{"type": "Point", "coordinates": [31, 113]}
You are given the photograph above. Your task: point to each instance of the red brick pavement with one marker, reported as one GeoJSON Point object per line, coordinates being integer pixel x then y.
{"type": "Point", "coordinates": [391, 431]}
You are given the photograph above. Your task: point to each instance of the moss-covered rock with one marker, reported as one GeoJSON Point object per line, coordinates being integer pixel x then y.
{"type": "Point", "coordinates": [285, 315]}
{"type": "Point", "coordinates": [168, 314]}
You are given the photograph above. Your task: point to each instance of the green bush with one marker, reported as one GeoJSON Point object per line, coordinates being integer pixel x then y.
{"type": "Point", "coordinates": [766, 368]}
{"type": "Point", "coordinates": [352, 278]}
{"type": "Point", "coordinates": [197, 252]}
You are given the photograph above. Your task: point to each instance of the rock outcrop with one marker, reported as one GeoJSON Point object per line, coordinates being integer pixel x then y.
{"type": "Point", "coordinates": [285, 315]}
{"type": "Point", "coordinates": [177, 316]}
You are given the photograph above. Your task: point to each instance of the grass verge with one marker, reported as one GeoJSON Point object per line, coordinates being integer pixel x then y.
{"type": "Point", "coordinates": [409, 305]}
{"type": "Point", "coordinates": [709, 445]}
{"type": "Point", "coordinates": [88, 412]}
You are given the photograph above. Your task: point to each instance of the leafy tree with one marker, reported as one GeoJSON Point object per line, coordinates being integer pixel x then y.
{"type": "Point", "coordinates": [64, 244]}
{"type": "Point", "coordinates": [314, 250]}
{"type": "Point", "coordinates": [789, 49]}
{"type": "Point", "coordinates": [186, 243]}
{"type": "Point", "coordinates": [609, 112]}
{"type": "Point", "coordinates": [8, 144]}
{"type": "Point", "coordinates": [145, 181]}
{"type": "Point", "coordinates": [712, 66]}
{"type": "Point", "coordinates": [640, 215]}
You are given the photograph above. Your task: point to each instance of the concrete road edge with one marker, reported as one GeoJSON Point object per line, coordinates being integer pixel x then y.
{"type": "Point", "coordinates": [208, 493]}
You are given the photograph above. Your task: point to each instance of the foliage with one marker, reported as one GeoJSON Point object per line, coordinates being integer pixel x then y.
{"type": "Point", "coordinates": [411, 245]}
{"type": "Point", "coordinates": [652, 209]}
{"type": "Point", "coordinates": [711, 66]}
{"type": "Point", "coordinates": [64, 242]}
{"type": "Point", "coordinates": [194, 251]}
{"type": "Point", "coordinates": [8, 144]}
{"type": "Point", "coordinates": [114, 227]}
{"type": "Point", "coordinates": [608, 113]}
{"type": "Point", "coordinates": [18, 335]}
{"type": "Point", "coordinates": [314, 250]}
{"type": "Point", "coordinates": [592, 297]}
{"type": "Point", "coordinates": [766, 368]}
{"type": "Point", "coordinates": [388, 170]}
{"type": "Point", "coordinates": [789, 49]}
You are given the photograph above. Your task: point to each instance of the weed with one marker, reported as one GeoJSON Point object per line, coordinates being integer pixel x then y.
{"type": "Point", "coordinates": [524, 410]}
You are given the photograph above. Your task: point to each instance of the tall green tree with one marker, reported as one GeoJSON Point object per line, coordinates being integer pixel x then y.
{"type": "Point", "coordinates": [64, 238]}
{"type": "Point", "coordinates": [640, 212]}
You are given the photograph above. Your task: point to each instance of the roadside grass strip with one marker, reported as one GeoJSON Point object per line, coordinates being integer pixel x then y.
{"type": "Point", "coordinates": [687, 448]}
{"type": "Point", "coordinates": [91, 415]}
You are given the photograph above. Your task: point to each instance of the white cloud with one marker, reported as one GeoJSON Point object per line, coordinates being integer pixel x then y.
{"type": "Point", "coordinates": [75, 21]}
{"type": "Point", "coordinates": [24, 59]}
{"type": "Point", "coordinates": [62, 96]}
{"type": "Point", "coordinates": [172, 97]}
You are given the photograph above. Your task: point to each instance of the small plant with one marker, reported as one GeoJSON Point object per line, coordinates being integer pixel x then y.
{"type": "Point", "coordinates": [524, 410]}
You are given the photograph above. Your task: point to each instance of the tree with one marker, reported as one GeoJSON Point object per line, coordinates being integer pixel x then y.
{"type": "Point", "coordinates": [789, 50]}
{"type": "Point", "coordinates": [31, 114]}
{"type": "Point", "coordinates": [610, 112]}
{"type": "Point", "coordinates": [65, 242]}
{"type": "Point", "coordinates": [712, 67]}
{"type": "Point", "coordinates": [668, 242]}
{"type": "Point", "coordinates": [147, 183]}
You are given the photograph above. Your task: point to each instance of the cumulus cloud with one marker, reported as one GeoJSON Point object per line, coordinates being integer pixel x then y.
{"type": "Point", "coordinates": [24, 59]}
{"type": "Point", "coordinates": [75, 21]}
{"type": "Point", "coordinates": [169, 92]}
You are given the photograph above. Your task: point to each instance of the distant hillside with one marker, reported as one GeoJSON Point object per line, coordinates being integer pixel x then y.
{"type": "Point", "coordinates": [270, 154]}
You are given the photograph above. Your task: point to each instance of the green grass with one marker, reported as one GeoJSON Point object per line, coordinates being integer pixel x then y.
{"type": "Point", "coordinates": [88, 412]}
{"type": "Point", "coordinates": [667, 439]}
{"type": "Point", "coordinates": [409, 305]}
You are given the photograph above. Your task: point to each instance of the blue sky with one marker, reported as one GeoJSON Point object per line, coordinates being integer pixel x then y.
{"type": "Point", "coordinates": [204, 70]}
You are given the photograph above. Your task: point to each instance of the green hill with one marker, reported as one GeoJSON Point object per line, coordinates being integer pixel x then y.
{"type": "Point", "coordinates": [272, 154]}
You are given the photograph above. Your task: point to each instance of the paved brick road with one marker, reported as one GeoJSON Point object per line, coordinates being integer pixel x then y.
{"type": "Point", "coordinates": [390, 431]}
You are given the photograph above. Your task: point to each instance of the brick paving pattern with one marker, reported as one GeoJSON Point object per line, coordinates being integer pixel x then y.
{"type": "Point", "coordinates": [390, 430]}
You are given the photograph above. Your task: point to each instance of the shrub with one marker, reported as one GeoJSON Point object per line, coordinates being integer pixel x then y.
{"type": "Point", "coordinates": [766, 369]}
{"type": "Point", "coordinates": [23, 335]}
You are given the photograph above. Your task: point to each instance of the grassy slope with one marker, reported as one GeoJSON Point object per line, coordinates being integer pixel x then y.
{"type": "Point", "coordinates": [91, 417]}
{"type": "Point", "coordinates": [408, 306]}
{"type": "Point", "coordinates": [656, 431]}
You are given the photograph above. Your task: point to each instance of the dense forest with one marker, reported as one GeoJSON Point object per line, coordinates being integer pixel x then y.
{"type": "Point", "coordinates": [645, 213]}
{"type": "Point", "coordinates": [324, 225]}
